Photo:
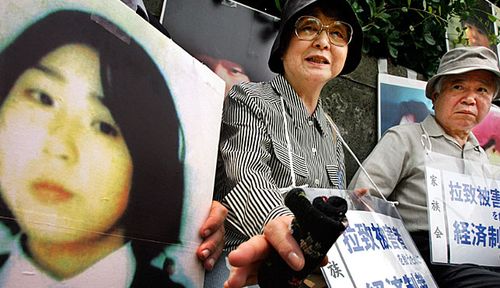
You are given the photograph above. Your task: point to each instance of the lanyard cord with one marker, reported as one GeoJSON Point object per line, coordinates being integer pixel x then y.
{"type": "Point", "coordinates": [426, 141]}
{"type": "Point", "coordinates": [355, 158]}
{"type": "Point", "coordinates": [289, 146]}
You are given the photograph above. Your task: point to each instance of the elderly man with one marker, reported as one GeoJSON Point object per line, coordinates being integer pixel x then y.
{"type": "Point", "coordinates": [462, 91]}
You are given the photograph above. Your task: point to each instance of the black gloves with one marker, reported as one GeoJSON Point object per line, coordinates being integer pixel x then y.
{"type": "Point", "coordinates": [316, 227]}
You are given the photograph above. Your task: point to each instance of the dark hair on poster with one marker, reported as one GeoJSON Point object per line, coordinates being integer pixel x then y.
{"type": "Point", "coordinates": [138, 98]}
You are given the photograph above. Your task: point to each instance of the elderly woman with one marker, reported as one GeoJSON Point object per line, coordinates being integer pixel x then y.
{"type": "Point", "coordinates": [462, 91]}
{"type": "Point", "coordinates": [276, 134]}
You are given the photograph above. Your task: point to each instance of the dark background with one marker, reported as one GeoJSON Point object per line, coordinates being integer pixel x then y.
{"type": "Point", "coordinates": [267, 6]}
{"type": "Point", "coordinates": [237, 33]}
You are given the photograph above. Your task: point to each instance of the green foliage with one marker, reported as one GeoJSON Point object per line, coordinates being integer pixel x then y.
{"type": "Point", "coordinates": [412, 33]}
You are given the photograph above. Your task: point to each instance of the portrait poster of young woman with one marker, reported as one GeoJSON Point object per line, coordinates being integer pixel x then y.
{"type": "Point", "coordinates": [105, 152]}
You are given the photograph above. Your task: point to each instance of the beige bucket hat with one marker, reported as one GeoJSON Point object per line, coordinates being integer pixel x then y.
{"type": "Point", "coordinates": [462, 60]}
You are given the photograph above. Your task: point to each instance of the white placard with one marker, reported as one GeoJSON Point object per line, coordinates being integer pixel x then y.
{"type": "Point", "coordinates": [375, 251]}
{"type": "Point", "coordinates": [466, 211]}
{"type": "Point", "coordinates": [436, 213]}
{"type": "Point", "coordinates": [148, 92]}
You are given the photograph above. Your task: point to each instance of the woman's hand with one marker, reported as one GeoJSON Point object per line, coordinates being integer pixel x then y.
{"type": "Point", "coordinates": [360, 192]}
{"type": "Point", "coordinates": [246, 259]}
{"type": "Point", "coordinates": [212, 232]}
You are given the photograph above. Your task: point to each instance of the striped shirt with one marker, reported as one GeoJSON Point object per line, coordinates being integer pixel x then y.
{"type": "Point", "coordinates": [253, 155]}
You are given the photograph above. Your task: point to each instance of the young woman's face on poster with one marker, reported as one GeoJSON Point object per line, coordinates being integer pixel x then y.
{"type": "Point", "coordinates": [65, 170]}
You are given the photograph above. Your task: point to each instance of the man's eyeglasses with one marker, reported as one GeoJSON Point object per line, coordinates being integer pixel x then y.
{"type": "Point", "coordinates": [309, 28]}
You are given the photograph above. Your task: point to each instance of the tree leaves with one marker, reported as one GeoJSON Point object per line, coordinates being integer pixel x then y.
{"type": "Point", "coordinates": [412, 33]}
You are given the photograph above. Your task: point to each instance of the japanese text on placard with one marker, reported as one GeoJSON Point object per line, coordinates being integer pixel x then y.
{"type": "Point", "coordinates": [362, 237]}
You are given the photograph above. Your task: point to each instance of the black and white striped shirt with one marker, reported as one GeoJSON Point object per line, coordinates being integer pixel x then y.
{"type": "Point", "coordinates": [253, 162]}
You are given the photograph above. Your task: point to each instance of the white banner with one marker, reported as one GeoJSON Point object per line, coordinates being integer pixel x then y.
{"type": "Point", "coordinates": [376, 250]}
{"type": "Point", "coordinates": [464, 211]}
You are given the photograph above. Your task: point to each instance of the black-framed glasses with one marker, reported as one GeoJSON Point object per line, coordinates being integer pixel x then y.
{"type": "Point", "coordinates": [309, 28]}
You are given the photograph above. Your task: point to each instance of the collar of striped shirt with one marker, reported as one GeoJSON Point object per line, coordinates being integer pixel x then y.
{"type": "Point", "coordinates": [295, 107]}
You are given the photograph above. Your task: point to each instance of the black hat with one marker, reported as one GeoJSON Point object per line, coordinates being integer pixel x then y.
{"type": "Point", "coordinates": [291, 12]}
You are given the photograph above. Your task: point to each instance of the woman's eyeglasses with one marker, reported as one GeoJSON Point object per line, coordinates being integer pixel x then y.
{"type": "Point", "coordinates": [309, 28]}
